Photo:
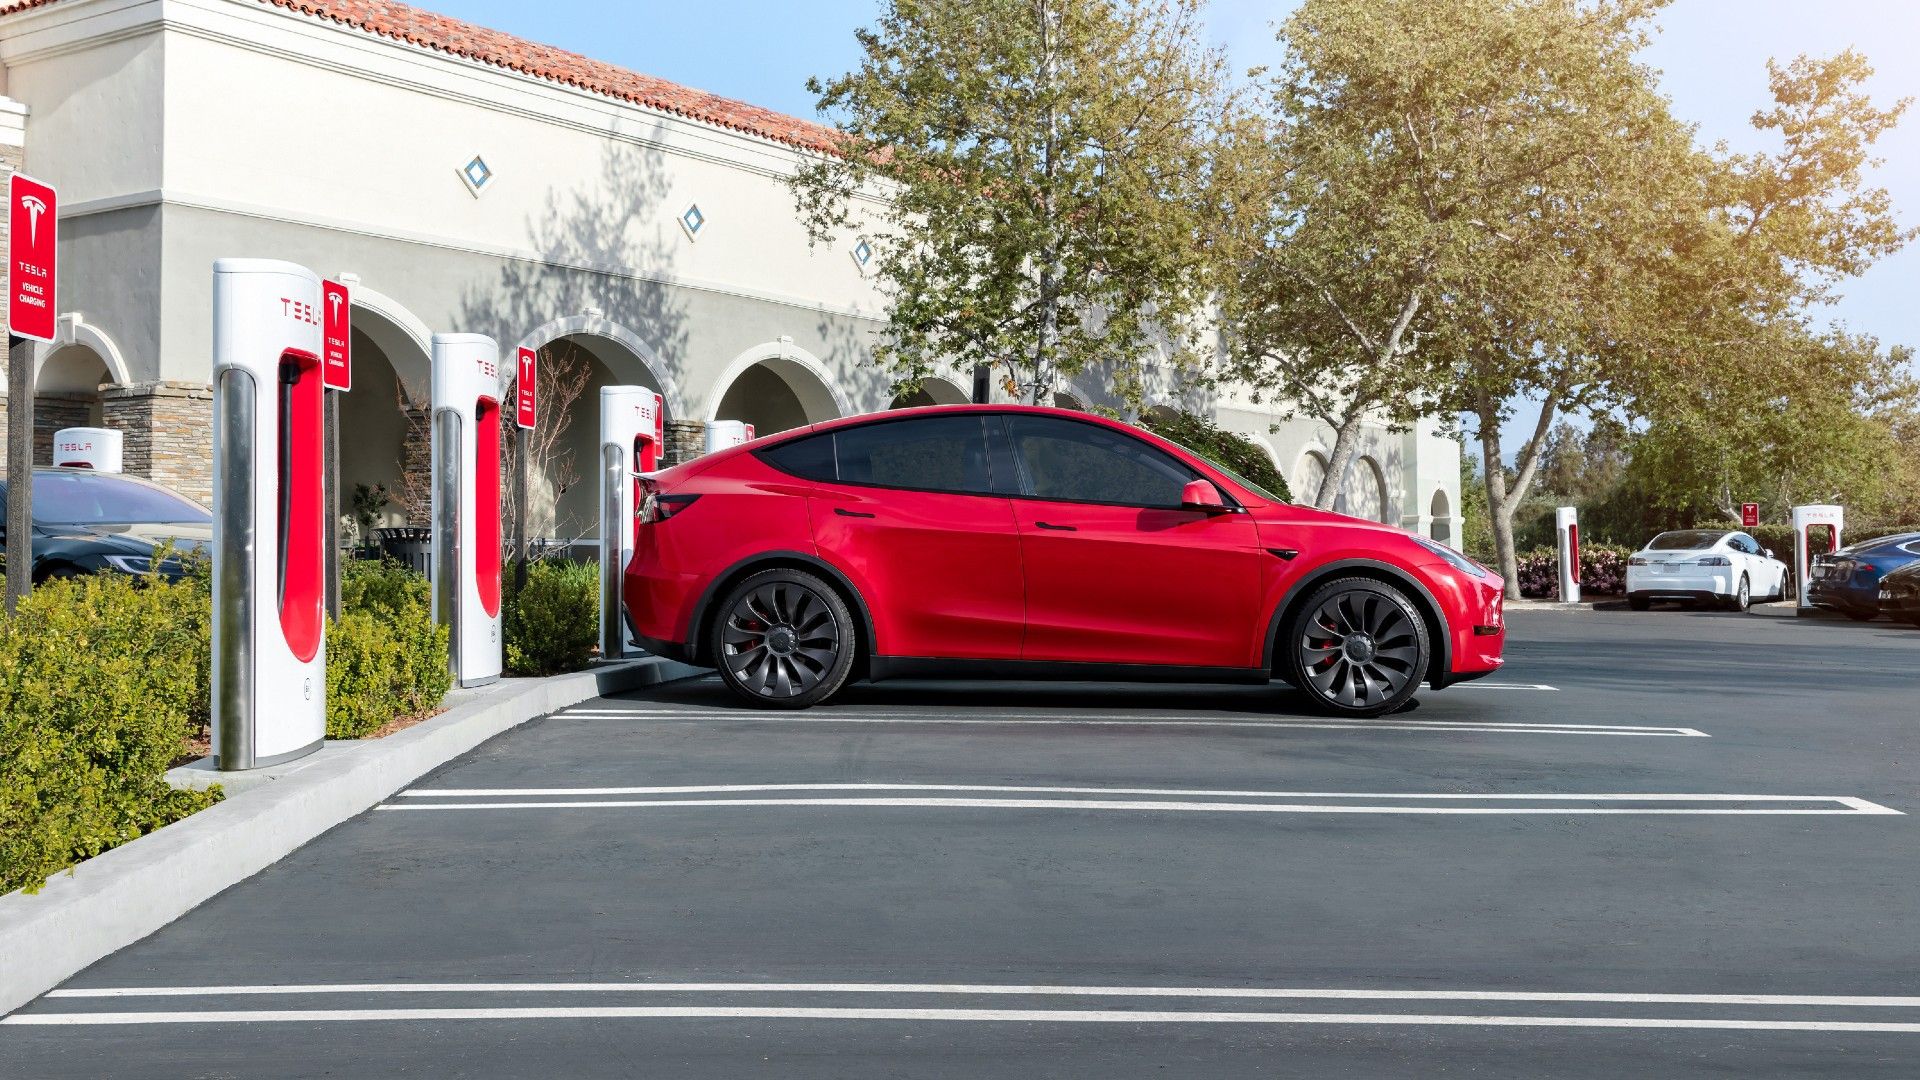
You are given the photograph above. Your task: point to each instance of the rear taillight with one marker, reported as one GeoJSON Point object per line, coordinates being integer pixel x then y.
{"type": "Point", "coordinates": [657, 506]}
{"type": "Point", "coordinates": [1636, 561]}
{"type": "Point", "coordinates": [1713, 560]}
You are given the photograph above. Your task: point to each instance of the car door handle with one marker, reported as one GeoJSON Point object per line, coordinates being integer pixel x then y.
{"type": "Point", "coordinates": [844, 512]}
{"type": "Point", "coordinates": [1056, 528]}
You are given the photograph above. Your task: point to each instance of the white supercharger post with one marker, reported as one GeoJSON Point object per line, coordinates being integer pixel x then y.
{"type": "Point", "coordinates": [96, 448]}
{"type": "Point", "coordinates": [466, 503]}
{"type": "Point", "coordinates": [724, 433]}
{"type": "Point", "coordinates": [1566, 525]}
{"type": "Point", "coordinates": [269, 515]}
{"type": "Point", "coordinates": [1805, 520]}
{"type": "Point", "coordinates": [631, 431]}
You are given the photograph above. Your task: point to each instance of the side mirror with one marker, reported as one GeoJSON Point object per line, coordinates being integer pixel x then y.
{"type": "Point", "coordinates": [1768, 552]}
{"type": "Point", "coordinates": [1202, 496]}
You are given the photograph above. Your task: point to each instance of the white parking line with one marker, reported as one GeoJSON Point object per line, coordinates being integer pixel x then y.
{"type": "Point", "coordinates": [1491, 727]}
{"type": "Point", "coordinates": [995, 990]}
{"type": "Point", "coordinates": [1500, 686]}
{"type": "Point", "coordinates": [1023, 1016]}
{"type": "Point", "coordinates": [1176, 800]}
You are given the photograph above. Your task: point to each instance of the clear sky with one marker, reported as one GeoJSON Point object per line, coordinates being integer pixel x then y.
{"type": "Point", "coordinates": [1712, 55]}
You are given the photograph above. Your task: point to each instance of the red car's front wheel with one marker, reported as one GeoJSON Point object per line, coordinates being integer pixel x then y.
{"type": "Point", "coordinates": [1357, 647]}
{"type": "Point", "coordinates": [783, 640]}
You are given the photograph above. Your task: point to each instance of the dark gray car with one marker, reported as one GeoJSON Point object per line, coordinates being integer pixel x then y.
{"type": "Point", "coordinates": [86, 522]}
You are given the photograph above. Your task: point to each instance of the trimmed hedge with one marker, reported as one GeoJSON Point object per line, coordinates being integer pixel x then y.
{"type": "Point", "coordinates": [101, 679]}
{"type": "Point", "coordinates": [385, 658]}
{"type": "Point", "coordinates": [552, 623]}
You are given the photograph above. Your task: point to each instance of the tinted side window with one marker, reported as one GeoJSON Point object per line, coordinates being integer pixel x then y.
{"type": "Point", "coordinates": [1746, 543]}
{"type": "Point", "coordinates": [810, 458]}
{"type": "Point", "coordinates": [1074, 462]}
{"type": "Point", "coordinates": [942, 453]}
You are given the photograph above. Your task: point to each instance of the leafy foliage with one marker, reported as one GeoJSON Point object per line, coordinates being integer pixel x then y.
{"type": "Point", "coordinates": [101, 678]}
{"type": "Point", "coordinates": [385, 657]}
{"type": "Point", "coordinates": [1603, 571]}
{"type": "Point", "coordinates": [1237, 452]}
{"type": "Point", "coordinates": [1027, 174]}
{"type": "Point", "coordinates": [552, 623]}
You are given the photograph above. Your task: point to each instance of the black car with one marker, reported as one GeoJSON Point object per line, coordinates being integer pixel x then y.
{"type": "Point", "coordinates": [1900, 594]}
{"type": "Point", "coordinates": [86, 522]}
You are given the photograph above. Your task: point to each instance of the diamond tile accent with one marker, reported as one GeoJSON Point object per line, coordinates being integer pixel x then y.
{"type": "Point", "coordinates": [476, 174]}
{"type": "Point", "coordinates": [862, 253]}
{"type": "Point", "coordinates": [692, 220]}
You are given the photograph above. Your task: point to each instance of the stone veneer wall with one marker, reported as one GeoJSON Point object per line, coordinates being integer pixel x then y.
{"type": "Point", "coordinates": [51, 412]}
{"type": "Point", "coordinates": [686, 440]}
{"type": "Point", "coordinates": [169, 433]}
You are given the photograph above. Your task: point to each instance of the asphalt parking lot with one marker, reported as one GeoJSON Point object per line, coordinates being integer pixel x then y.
{"type": "Point", "coordinates": [1669, 844]}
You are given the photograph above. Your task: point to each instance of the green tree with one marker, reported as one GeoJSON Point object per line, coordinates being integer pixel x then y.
{"type": "Point", "coordinates": [1824, 424]}
{"type": "Point", "coordinates": [1030, 176]}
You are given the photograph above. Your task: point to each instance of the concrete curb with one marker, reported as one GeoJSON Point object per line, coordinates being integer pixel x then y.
{"type": "Point", "coordinates": [121, 896]}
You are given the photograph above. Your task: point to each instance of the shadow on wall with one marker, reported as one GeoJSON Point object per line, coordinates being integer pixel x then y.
{"type": "Point", "coordinates": [606, 223]}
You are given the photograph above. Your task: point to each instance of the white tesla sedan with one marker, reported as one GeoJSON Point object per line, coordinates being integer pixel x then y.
{"type": "Point", "coordinates": [1712, 565]}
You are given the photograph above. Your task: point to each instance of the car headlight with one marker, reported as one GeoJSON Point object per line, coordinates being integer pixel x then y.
{"type": "Point", "coordinates": [131, 564]}
{"type": "Point", "coordinates": [1453, 558]}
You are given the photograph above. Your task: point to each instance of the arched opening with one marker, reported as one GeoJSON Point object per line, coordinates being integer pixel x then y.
{"type": "Point", "coordinates": [384, 424]}
{"type": "Point", "coordinates": [1365, 494]}
{"type": "Point", "coordinates": [563, 489]}
{"type": "Point", "coordinates": [1308, 474]}
{"type": "Point", "coordinates": [776, 388]}
{"type": "Point", "coordinates": [932, 390]}
{"type": "Point", "coordinates": [1064, 400]}
{"type": "Point", "coordinates": [66, 393]}
{"type": "Point", "coordinates": [1441, 511]}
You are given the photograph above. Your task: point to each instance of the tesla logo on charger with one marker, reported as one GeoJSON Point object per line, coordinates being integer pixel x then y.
{"type": "Point", "coordinates": [336, 365]}
{"type": "Point", "coordinates": [32, 253]}
{"type": "Point", "coordinates": [525, 398]}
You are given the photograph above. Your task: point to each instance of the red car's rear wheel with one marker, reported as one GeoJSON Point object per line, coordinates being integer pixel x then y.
{"type": "Point", "coordinates": [783, 639]}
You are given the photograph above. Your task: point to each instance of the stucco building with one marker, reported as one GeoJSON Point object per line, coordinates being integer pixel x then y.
{"type": "Point", "coordinates": [464, 180]}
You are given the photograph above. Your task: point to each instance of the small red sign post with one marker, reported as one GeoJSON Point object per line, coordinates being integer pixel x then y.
{"type": "Point", "coordinates": [1749, 515]}
{"type": "Point", "coordinates": [32, 247]}
{"type": "Point", "coordinates": [336, 329]}
{"type": "Point", "coordinates": [524, 398]}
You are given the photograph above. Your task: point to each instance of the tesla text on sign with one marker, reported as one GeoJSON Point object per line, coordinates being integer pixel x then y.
{"type": "Point", "coordinates": [524, 397]}
{"type": "Point", "coordinates": [336, 368]}
{"type": "Point", "coordinates": [32, 244]}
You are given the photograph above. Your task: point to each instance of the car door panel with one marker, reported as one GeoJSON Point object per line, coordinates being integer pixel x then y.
{"type": "Point", "coordinates": [1132, 585]}
{"type": "Point", "coordinates": [941, 573]}
{"type": "Point", "coordinates": [909, 510]}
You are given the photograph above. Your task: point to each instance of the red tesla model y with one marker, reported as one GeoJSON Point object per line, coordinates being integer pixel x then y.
{"type": "Point", "coordinates": [1018, 543]}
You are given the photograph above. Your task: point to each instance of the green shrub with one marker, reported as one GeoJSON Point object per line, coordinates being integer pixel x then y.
{"type": "Point", "coordinates": [1237, 452]}
{"type": "Point", "coordinates": [101, 679]}
{"type": "Point", "coordinates": [385, 658]}
{"type": "Point", "coordinates": [552, 624]}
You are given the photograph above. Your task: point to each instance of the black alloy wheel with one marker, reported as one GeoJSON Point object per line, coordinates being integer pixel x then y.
{"type": "Point", "coordinates": [783, 639]}
{"type": "Point", "coordinates": [1357, 647]}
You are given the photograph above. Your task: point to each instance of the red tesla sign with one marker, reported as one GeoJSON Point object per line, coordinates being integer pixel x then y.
{"type": "Point", "coordinates": [336, 366]}
{"type": "Point", "coordinates": [523, 389]}
{"type": "Point", "coordinates": [1749, 515]}
{"type": "Point", "coordinates": [32, 245]}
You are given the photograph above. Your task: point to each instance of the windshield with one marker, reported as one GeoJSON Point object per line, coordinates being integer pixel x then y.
{"type": "Point", "coordinates": [1685, 540]}
{"type": "Point", "coordinates": [83, 498]}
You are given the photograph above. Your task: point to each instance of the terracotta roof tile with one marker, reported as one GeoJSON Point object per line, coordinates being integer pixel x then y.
{"type": "Point", "coordinates": [442, 34]}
